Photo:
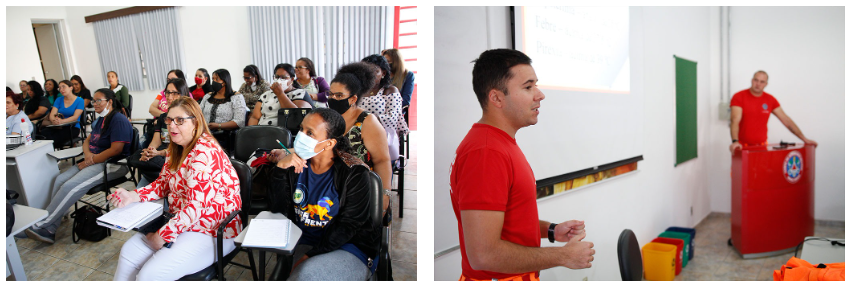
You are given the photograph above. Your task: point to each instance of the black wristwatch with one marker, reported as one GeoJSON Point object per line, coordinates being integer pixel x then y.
{"type": "Point", "coordinates": [551, 232]}
{"type": "Point", "coordinates": [735, 141]}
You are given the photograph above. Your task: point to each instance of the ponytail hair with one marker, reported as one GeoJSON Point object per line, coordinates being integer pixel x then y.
{"type": "Point", "coordinates": [116, 106]}
{"type": "Point", "coordinates": [336, 129]}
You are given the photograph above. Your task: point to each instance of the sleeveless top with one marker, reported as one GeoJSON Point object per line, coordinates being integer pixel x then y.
{"type": "Point", "coordinates": [355, 135]}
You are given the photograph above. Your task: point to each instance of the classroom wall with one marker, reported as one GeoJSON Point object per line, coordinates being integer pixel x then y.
{"type": "Point", "coordinates": [803, 51]}
{"type": "Point", "coordinates": [648, 201]}
{"type": "Point", "coordinates": [22, 60]}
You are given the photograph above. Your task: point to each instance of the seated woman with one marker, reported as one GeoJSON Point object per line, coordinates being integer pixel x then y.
{"type": "Point", "coordinates": [80, 90]}
{"type": "Point", "coordinates": [66, 109]}
{"type": "Point", "coordinates": [149, 161]}
{"type": "Point", "coordinates": [384, 99]}
{"type": "Point", "coordinates": [202, 85]}
{"type": "Point", "coordinates": [253, 87]}
{"type": "Point", "coordinates": [283, 94]}
{"type": "Point", "coordinates": [369, 139]}
{"type": "Point", "coordinates": [160, 105]}
{"type": "Point", "coordinates": [402, 77]}
{"type": "Point", "coordinates": [51, 90]}
{"type": "Point", "coordinates": [339, 239]}
{"type": "Point", "coordinates": [14, 115]}
{"type": "Point", "coordinates": [193, 158]}
{"type": "Point", "coordinates": [36, 104]}
{"type": "Point", "coordinates": [121, 92]}
{"type": "Point", "coordinates": [315, 86]}
{"type": "Point", "coordinates": [110, 140]}
{"type": "Point", "coordinates": [223, 109]}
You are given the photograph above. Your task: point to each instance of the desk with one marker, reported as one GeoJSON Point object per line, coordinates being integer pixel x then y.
{"type": "Point", "coordinates": [820, 251]}
{"type": "Point", "coordinates": [29, 171]}
{"type": "Point", "coordinates": [25, 217]}
{"type": "Point", "coordinates": [295, 234]}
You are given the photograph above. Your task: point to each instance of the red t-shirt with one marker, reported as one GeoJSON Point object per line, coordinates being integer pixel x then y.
{"type": "Point", "coordinates": [490, 172]}
{"type": "Point", "coordinates": [753, 129]}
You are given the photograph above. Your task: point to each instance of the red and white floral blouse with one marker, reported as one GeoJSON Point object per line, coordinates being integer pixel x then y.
{"type": "Point", "coordinates": [201, 193]}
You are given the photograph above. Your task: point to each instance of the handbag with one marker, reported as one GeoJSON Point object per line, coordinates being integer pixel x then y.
{"type": "Point", "coordinates": [86, 226]}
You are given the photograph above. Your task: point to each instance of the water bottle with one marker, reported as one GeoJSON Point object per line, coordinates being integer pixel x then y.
{"type": "Point", "coordinates": [25, 131]}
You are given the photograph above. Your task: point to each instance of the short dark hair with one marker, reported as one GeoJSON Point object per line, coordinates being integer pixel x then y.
{"type": "Point", "coordinates": [381, 62]}
{"type": "Point", "coordinates": [493, 69]}
{"type": "Point", "coordinates": [286, 67]}
{"type": "Point", "coordinates": [310, 68]}
{"type": "Point", "coordinates": [17, 99]}
{"type": "Point", "coordinates": [180, 85]}
{"type": "Point", "coordinates": [358, 77]}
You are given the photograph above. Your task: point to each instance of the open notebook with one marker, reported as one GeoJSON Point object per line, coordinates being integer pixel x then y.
{"type": "Point", "coordinates": [131, 216]}
{"type": "Point", "coordinates": [268, 233]}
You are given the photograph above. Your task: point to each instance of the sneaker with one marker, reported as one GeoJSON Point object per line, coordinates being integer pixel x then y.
{"type": "Point", "coordinates": [21, 235]}
{"type": "Point", "coordinates": [41, 235]}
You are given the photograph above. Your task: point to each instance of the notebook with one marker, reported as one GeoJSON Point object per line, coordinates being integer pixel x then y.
{"type": "Point", "coordinates": [131, 216]}
{"type": "Point", "coordinates": [268, 233]}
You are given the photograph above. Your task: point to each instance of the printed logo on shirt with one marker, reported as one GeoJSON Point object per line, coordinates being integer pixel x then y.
{"type": "Point", "coordinates": [298, 196]}
{"type": "Point", "coordinates": [793, 166]}
{"type": "Point", "coordinates": [764, 106]}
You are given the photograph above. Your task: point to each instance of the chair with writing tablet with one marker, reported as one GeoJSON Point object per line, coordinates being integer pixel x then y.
{"type": "Point", "coordinates": [216, 270]}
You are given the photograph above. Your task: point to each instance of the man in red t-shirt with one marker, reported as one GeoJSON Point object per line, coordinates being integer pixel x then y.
{"type": "Point", "coordinates": [492, 185]}
{"type": "Point", "coordinates": [750, 110]}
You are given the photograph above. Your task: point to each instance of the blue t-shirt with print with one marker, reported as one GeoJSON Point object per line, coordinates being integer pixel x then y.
{"type": "Point", "coordinates": [316, 203]}
{"type": "Point", "coordinates": [119, 130]}
{"type": "Point", "coordinates": [68, 112]}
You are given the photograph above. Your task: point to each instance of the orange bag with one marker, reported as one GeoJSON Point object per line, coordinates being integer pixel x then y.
{"type": "Point", "coordinates": [797, 269]}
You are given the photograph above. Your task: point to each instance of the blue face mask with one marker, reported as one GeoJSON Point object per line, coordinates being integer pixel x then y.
{"type": "Point", "coordinates": [304, 146]}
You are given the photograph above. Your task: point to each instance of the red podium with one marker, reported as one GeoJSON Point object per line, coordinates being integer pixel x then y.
{"type": "Point", "coordinates": [773, 200]}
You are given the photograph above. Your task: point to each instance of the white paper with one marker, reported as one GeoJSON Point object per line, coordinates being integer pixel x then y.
{"type": "Point", "coordinates": [269, 233]}
{"type": "Point", "coordinates": [131, 216]}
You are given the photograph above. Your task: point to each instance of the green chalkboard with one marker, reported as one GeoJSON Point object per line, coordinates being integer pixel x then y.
{"type": "Point", "coordinates": [686, 109]}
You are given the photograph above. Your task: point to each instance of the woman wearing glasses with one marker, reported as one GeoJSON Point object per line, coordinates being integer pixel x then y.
{"type": "Point", "coordinates": [253, 87]}
{"type": "Point", "coordinates": [202, 189]}
{"type": "Point", "coordinates": [223, 108]}
{"type": "Point", "coordinates": [149, 161]}
{"type": "Point", "coordinates": [282, 95]}
{"type": "Point", "coordinates": [315, 86]}
{"type": "Point", "coordinates": [160, 105]}
{"type": "Point", "coordinates": [369, 139]}
{"type": "Point", "coordinates": [110, 140]}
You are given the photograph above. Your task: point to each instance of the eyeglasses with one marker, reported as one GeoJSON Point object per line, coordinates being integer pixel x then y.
{"type": "Point", "coordinates": [339, 96]}
{"type": "Point", "coordinates": [177, 121]}
{"type": "Point", "coordinates": [282, 77]}
{"type": "Point", "coordinates": [169, 93]}
{"type": "Point", "coordinates": [247, 78]}
{"type": "Point", "coordinates": [98, 101]}
{"type": "Point", "coordinates": [301, 67]}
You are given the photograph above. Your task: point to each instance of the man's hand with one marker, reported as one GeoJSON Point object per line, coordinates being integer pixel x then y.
{"type": "Point", "coordinates": [578, 254]}
{"type": "Point", "coordinates": [812, 142]}
{"type": "Point", "coordinates": [735, 146]}
{"type": "Point", "coordinates": [569, 229]}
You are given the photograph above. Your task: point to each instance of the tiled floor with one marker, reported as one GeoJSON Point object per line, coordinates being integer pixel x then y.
{"type": "Point", "coordinates": [714, 260]}
{"type": "Point", "coordinates": [96, 261]}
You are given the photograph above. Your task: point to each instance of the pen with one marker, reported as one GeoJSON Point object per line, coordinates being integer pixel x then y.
{"type": "Point", "coordinates": [282, 145]}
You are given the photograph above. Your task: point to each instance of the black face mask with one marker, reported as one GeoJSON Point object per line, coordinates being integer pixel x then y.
{"type": "Point", "coordinates": [217, 86]}
{"type": "Point", "coordinates": [340, 106]}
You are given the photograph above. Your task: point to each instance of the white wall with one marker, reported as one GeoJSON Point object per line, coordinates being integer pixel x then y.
{"type": "Point", "coordinates": [648, 201]}
{"type": "Point", "coordinates": [803, 51]}
{"type": "Point", "coordinates": [22, 60]}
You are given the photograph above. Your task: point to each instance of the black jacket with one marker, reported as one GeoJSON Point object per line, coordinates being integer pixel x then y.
{"type": "Point", "coordinates": [352, 224]}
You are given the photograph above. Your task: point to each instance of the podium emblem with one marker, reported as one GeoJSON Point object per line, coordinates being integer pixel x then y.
{"type": "Point", "coordinates": [793, 166]}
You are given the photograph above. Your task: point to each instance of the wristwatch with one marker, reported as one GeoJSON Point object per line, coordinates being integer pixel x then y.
{"type": "Point", "coordinates": [551, 232]}
{"type": "Point", "coordinates": [387, 191]}
{"type": "Point", "coordinates": [735, 141]}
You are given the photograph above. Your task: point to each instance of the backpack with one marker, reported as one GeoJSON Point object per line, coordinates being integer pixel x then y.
{"type": "Point", "coordinates": [85, 225]}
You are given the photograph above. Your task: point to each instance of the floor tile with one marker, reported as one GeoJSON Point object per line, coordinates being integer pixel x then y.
{"type": "Point", "coordinates": [404, 271]}
{"type": "Point", "coordinates": [110, 265]}
{"type": "Point", "coordinates": [407, 223]}
{"type": "Point", "coordinates": [99, 276]}
{"type": "Point", "coordinates": [94, 254]}
{"type": "Point", "coordinates": [65, 271]}
{"type": "Point", "coordinates": [404, 247]}
{"type": "Point", "coordinates": [36, 263]}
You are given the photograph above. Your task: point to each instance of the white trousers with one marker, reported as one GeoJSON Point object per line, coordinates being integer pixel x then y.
{"type": "Point", "coordinates": [190, 253]}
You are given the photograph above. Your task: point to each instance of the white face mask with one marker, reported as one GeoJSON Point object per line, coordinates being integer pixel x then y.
{"type": "Point", "coordinates": [103, 114]}
{"type": "Point", "coordinates": [284, 83]}
{"type": "Point", "coordinates": [304, 146]}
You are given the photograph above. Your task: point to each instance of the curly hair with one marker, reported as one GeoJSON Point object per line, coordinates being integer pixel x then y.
{"type": "Point", "coordinates": [336, 129]}
{"type": "Point", "coordinates": [382, 63]}
{"type": "Point", "coordinates": [358, 77]}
